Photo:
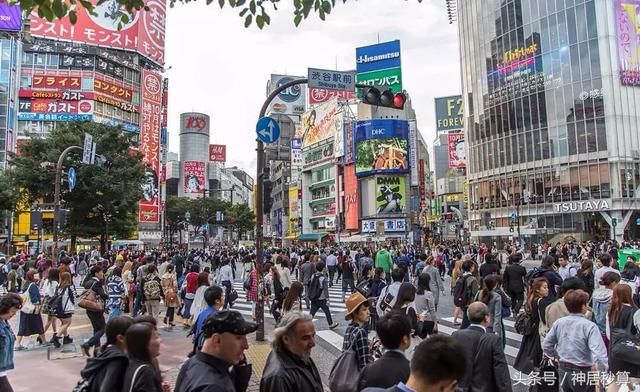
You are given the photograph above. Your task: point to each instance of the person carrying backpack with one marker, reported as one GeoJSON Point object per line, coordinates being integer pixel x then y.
{"type": "Point", "coordinates": [465, 291]}
{"type": "Point", "coordinates": [152, 291]}
{"type": "Point", "coordinates": [319, 294]}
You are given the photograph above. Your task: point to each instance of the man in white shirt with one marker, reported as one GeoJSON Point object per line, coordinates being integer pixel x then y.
{"type": "Point", "coordinates": [605, 259]}
{"type": "Point", "coordinates": [566, 270]}
{"type": "Point", "coordinates": [332, 263]}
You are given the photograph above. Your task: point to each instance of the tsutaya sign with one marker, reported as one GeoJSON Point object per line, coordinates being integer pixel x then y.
{"type": "Point", "coordinates": [580, 206]}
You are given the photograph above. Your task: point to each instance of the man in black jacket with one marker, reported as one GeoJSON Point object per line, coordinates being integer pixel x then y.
{"type": "Point", "coordinates": [289, 367]}
{"type": "Point", "coordinates": [514, 282]}
{"type": "Point", "coordinates": [225, 342]}
{"type": "Point", "coordinates": [487, 369]}
{"type": "Point", "coordinates": [394, 331]}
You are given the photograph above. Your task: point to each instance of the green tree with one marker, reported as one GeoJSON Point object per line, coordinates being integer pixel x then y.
{"type": "Point", "coordinates": [240, 219]}
{"type": "Point", "coordinates": [104, 201]}
{"type": "Point", "coordinates": [9, 193]}
{"type": "Point", "coordinates": [252, 11]}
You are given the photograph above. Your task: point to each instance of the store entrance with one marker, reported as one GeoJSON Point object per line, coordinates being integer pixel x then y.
{"type": "Point", "coordinates": [595, 227]}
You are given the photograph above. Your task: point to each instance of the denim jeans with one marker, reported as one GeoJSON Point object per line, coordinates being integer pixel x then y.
{"type": "Point", "coordinates": [138, 302]}
{"type": "Point", "coordinates": [115, 312]}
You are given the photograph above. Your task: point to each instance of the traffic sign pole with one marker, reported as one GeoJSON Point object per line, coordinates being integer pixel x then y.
{"type": "Point", "coordinates": [56, 201]}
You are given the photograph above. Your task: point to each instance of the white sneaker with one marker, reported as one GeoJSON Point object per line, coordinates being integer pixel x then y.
{"type": "Point", "coordinates": [333, 326]}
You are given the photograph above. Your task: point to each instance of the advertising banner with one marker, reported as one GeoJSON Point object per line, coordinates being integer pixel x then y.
{"type": "Point", "coordinates": [112, 89]}
{"type": "Point", "coordinates": [422, 181]}
{"type": "Point", "coordinates": [144, 33]}
{"type": "Point", "coordinates": [381, 146]}
{"type": "Point", "coordinates": [449, 114]}
{"type": "Point", "coordinates": [518, 72]}
{"type": "Point", "coordinates": [351, 199]}
{"type": "Point", "coordinates": [66, 95]}
{"type": "Point", "coordinates": [348, 142]}
{"type": "Point", "coordinates": [413, 152]}
{"type": "Point", "coordinates": [292, 227]}
{"type": "Point", "coordinates": [457, 156]}
{"type": "Point", "coordinates": [318, 154]}
{"type": "Point", "coordinates": [10, 17]}
{"type": "Point", "coordinates": [320, 95]}
{"type": "Point", "coordinates": [390, 225]}
{"type": "Point", "coordinates": [56, 82]}
{"type": "Point", "coordinates": [194, 178]}
{"type": "Point", "coordinates": [151, 99]}
{"type": "Point", "coordinates": [194, 122]}
{"type": "Point", "coordinates": [391, 78]}
{"type": "Point", "coordinates": [122, 105]}
{"type": "Point", "coordinates": [55, 106]}
{"type": "Point", "coordinates": [290, 101]}
{"type": "Point", "coordinates": [54, 117]}
{"type": "Point", "coordinates": [628, 32]}
{"type": "Point", "coordinates": [320, 123]}
{"type": "Point", "coordinates": [390, 194]}
{"type": "Point", "coordinates": [379, 56]}
{"type": "Point", "coordinates": [217, 153]}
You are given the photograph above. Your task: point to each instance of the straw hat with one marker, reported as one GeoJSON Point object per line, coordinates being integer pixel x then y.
{"type": "Point", "coordinates": [353, 302]}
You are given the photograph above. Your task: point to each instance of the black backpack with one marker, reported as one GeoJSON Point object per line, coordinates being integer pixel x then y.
{"type": "Point", "coordinates": [533, 274]}
{"type": "Point", "coordinates": [461, 292]}
{"type": "Point", "coordinates": [315, 288]}
{"type": "Point", "coordinates": [56, 307]}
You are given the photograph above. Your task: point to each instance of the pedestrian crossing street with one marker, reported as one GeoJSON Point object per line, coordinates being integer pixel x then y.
{"type": "Point", "coordinates": [336, 305]}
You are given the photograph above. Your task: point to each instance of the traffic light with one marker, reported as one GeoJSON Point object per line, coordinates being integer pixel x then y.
{"type": "Point", "coordinates": [103, 162]}
{"type": "Point", "coordinates": [266, 196]}
{"type": "Point", "coordinates": [511, 228]}
{"type": "Point", "coordinates": [385, 98]}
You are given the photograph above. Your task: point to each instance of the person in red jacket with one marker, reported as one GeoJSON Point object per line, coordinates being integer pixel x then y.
{"type": "Point", "coordinates": [191, 282]}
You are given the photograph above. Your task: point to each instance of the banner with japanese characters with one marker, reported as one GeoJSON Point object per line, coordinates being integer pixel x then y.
{"type": "Point", "coordinates": [457, 156]}
{"type": "Point", "coordinates": [150, 145]}
{"type": "Point", "coordinates": [143, 32]}
{"type": "Point", "coordinates": [194, 178]}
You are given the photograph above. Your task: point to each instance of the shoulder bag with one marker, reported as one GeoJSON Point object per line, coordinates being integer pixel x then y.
{"type": "Point", "coordinates": [27, 306]}
{"type": "Point", "coordinates": [91, 301]}
{"type": "Point", "coordinates": [344, 372]}
{"type": "Point", "coordinates": [133, 379]}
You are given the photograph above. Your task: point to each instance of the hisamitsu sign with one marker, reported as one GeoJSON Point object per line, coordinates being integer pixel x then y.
{"type": "Point", "coordinates": [331, 80]}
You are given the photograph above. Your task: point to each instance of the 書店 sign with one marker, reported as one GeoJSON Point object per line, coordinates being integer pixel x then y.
{"type": "Point", "coordinates": [390, 225]}
{"type": "Point", "coordinates": [331, 80]}
{"type": "Point", "coordinates": [582, 206]}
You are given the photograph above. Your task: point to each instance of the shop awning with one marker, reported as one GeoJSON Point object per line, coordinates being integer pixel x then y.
{"type": "Point", "coordinates": [312, 236]}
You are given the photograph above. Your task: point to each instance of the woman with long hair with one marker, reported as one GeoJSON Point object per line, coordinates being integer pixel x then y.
{"type": "Point", "coordinates": [198, 301]}
{"type": "Point", "coordinates": [68, 307]}
{"type": "Point", "coordinates": [94, 282]}
{"type": "Point", "coordinates": [620, 327]}
{"type": "Point", "coordinates": [171, 297]}
{"type": "Point", "coordinates": [278, 294]}
{"type": "Point", "coordinates": [404, 302]}
{"type": "Point", "coordinates": [425, 308]}
{"type": "Point", "coordinates": [292, 302]}
{"type": "Point", "coordinates": [143, 348]}
{"type": "Point", "coordinates": [349, 270]}
{"type": "Point", "coordinates": [252, 287]}
{"type": "Point", "coordinates": [587, 276]}
{"type": "Point", "coordinates": [31, 319]}
{"type": "Point", "coordinates": [629, 277]}
{"type": "Point", "coordinates": [490, 297]}
{"type": "Point", "coordinates": [129, 283]}
{"type": "Point", "coordinates": [49, 288]}
{"type": "Point", "coordinates": [530, 352]}
{"type": "Point", "coordinates": [455, 274]}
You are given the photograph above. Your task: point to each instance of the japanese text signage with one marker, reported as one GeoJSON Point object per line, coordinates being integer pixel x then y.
{"type": "Point", "coordinates": [390, 225]}
{"type": "Point", "coordinates": [112, 89]}
{"type": "Point", "coordinates": [10, 17]}
{"type": "Point", "coordinates": [291, 100]}
{"type": "Point", "coordinates": [56, 82]}
{"type": "Point", "coordinates": [390, 78]}
{"type": "Point", "coordinates": [56, 106]}
{"type": "Point", "coordinates": [351, 199]}
{"type": "Point", "coordinates": [66, 95]}
{"type": "Point", "coordinates": [449, 115]}
{"type": "Point", "coordinates": [217, 153]}
{"type": "Point", "coordinates": [54, 117]}
{"type": "Point", "coordinates": [380, 65]}
{"type": "Point", "coordinates": [144, 33]}
{"type": "Point", "coordinates": [628, 32]}
{"type": "Point", "coordinates": [194, 177]}
{"type": "Point", "coordinates": [150, 143]}
{"type": "Point", "coordinates": [320, 123]}
{"type": "Point", "coordinates": [457, 155]}
{"type": "Point", "coordinates": [318, 154]}
{"type": "Point", "coordinates": [122, 105]}
{"type": "Point", "coordinates": [194, 122]}
{"type": "Point", "coordinates": [320, 95]}
{"type": "Point", "coordinates": [381, 146]}
{"type": "Point", "coordinates": [331, 80]}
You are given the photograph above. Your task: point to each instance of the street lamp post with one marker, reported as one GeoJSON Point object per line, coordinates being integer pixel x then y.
{"type": "Point", "coordinates": [56, 201]}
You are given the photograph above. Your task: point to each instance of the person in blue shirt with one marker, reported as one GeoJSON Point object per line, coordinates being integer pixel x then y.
{"type": "Point", "coordinates": [214, 297]}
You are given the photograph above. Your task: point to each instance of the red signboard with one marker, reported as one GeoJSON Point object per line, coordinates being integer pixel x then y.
{"type": "Point", "coordinates": [422, 186]}
{"type": "Point", "coordinates": [150, 145]}
{"type": "Point", "coordinates": [351, 199]}
{"type": "Point", "coordinates": [112, 89]}
{"type": "Point", "coordinates": [66, 95]}
{"type": "Point", "coordinates": [56, 82]}
{"type": "Point", "coordinates": [56, 106]}
{"type": "Point", "coordinates": [320, 95]}
{"type": "Point", "coordinates": [456, 150]}
{"type": "Point", "coordinates": [144, 33]}
{"type": "Point", "coordinates": [217, 153]}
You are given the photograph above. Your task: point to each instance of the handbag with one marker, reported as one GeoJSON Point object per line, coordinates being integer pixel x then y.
{"type": "Point", "coordinates": [27, 306]}
{"type": "Point", "coordinates": [344, 372]}
{"type": "Point", "coordinates": [233, 296]}
{"type": "Point", "coordinates": [551, 380]}
{"type": "Point", "coordinates": [133, 379]}
{"type": "Point", "coordinates": [625, 346]}
{"type": "Point", "coordinates": [89, 300]}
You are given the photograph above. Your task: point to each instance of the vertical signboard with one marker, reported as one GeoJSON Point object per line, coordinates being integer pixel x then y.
{"type": "Point", "coordinates": [217, 153]}
{"type": "Point", "coordinates": [351, 199]}
{"type": "Point", "coordinates": [293, 212]}
{"type": "Point", "coordinates": [194, 181]}
{"type": "Point", "coordinates": [413, 152]}
{"type": "Point", "coordinates": [150, 121]}
{"type": "Point", "coordinates": [628, 32]}
{"type": "Point", "coordinates": [348, 142]}
{"type": "Point", "coordinates": [296, 159]}
{"type": "Point", "coordinates": [457, 156]}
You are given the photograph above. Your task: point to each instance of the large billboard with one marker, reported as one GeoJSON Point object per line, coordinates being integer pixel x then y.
{"type": "Point", "coordinates": [351, 199]}
{"type": "Point", "coordinates": [449, 115]}
{"type": "Point", "coordinates": [390, 195]}
{"type": "Point", "coordinates": [290, 101]}
{"type": "Point", "coordinates": [194, 177]}
{"type": "Point", "coordinates": [457, 155]}
{"type": "Point", "coordinates": [380, 65]}
{"type": "Point", "coordinates": [217, 153]}
{"type": "Point", "coordinates": [628, 32]}
{"type": "Point", "coordinates": [10, 17]}
{"type": "Point", "coordinates": [381, 146]}
{"type": "Point", "coordinates": [150, 123]}
{"type": "Point", "coordinates": [320, 123]}
{"type": "Point", "coordinates": [143, 33]}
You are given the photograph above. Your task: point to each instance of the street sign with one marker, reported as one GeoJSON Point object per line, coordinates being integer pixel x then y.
{"type": "Point", "coordinates": [514, 216]}
{"type": "Point", "coordinates": [638, 221]}
{"type": "Point", "coordinates": [87, 149]}
{"type": "Point", "coordinates": [71, 177]}
{"type": "Point", "coordinates": [331, 80]}
{"type": "Point", "coordinates": [614, 222]}
{"type": "Point", "coordinates": [205, 227]}
{"type": "Point", "coordinates": [268, 130]}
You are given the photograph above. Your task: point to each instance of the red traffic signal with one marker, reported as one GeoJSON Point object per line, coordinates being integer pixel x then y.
{"type": "Point", "coordinates": [385, 98]}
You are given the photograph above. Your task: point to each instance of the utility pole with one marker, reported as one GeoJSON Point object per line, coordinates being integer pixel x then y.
{"type": "Point", "coordinates": [56, 201]}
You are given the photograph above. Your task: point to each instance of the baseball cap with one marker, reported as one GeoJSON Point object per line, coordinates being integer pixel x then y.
{"type": "Point", "coordinates": [229, 321]}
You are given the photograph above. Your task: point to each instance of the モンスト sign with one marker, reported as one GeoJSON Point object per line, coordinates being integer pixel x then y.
{"type": "Point", "coordinates": [149, 208]}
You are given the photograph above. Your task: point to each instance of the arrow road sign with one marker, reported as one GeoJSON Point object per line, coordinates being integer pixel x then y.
{"type": "Point", "coordinates": [71, 176]}
{"type": "Point", "coordinates": [268, 130]}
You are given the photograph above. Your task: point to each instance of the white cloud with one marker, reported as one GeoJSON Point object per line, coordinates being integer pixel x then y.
{"type": "Point", "coordinates": [221, 68]}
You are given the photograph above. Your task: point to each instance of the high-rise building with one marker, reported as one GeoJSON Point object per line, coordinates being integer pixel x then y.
{"type": "Point", "coordinates": [550, 93]}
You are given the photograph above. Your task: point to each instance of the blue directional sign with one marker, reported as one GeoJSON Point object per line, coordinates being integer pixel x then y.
{"type": "Point", "coordinates": [514, 215]}
{"type": "Point", "coordinates": [268, 130]}
{"type": "Point", "coordinates": [71, 176]}
{"type": "Point", "coordinates": [638, 221]}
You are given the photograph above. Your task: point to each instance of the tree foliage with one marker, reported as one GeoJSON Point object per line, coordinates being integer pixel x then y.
{"type": "Point", "coordinates": [251, 11]}
{"type": "Point", "coordinates": [102, 199]}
